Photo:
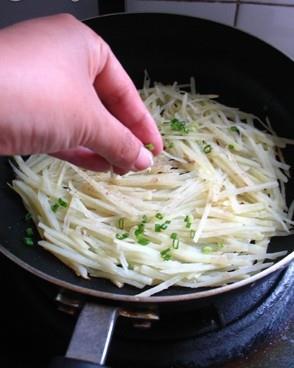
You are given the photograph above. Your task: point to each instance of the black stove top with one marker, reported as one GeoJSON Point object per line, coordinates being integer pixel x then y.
{"type": "Point", "coordinates": [251, 328]}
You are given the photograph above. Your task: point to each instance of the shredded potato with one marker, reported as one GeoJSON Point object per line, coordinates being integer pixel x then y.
{"type": "Point", "coordinates": [202, 216]}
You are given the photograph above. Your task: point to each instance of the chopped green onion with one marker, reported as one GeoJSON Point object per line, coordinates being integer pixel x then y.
{"type": "Point", "coordinates": [121, 236]}
{"type": "Point", "coordinates": [188, 219]}
{"type": "Point", "coordinates": [28, 216]}
{"type": "Point", "coordinates": [55, 207]}
{"type": "Point", "coordinates": [234, 129]}
{"type": "Point", "coordinates": [142, 240]}
{"type": "Point", "coordinates": [121, 223]}
{"type": "Point", "coordinates": [139, 234]}
{"type": "Point", "coordinates": [62, 203]}
{"type": "Point", "coordinates": [164, 226]}
{"type": "Point", "coordinates": [159, 216]}
{"type": "Point", "coordinates": [144, 219]}
{"type": "Point", "coordinates": [140, 230]}
{"type": "Point", "coordinates": [157, 228]}
{"type": "Point", "coordinates": [28, 241]}
{"type": "Point", "coordinates": [149, 146]}
{"type": "Point", "coordinates": [207, 249]}
{"type": "Point", "coordinates": [59, 203]}
{"type": "Point", "coordinates": [207, 148]}
{"type": "Point", "coordinates": [179, 126]}
{"type": "Point", "coordinates": [170, 145]}
{"type": "Point", "coordinates": [29, 231]}
{"type": "Point", "coordinates": [192, 233]}
{"type": "Point", "coordinates": [175, 124]}
{"type": "Point", "coordinates": [231, 146]}
{"type": "Point", "coordinates": [166, 254]}
{"type": "Point", "coordinates": [176, 243]}
{"type": "Point", "coordinates": [174, 236]}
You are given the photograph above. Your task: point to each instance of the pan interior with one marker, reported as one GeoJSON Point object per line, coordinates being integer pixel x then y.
{"type": "Point", "coordinates": [244, 71]}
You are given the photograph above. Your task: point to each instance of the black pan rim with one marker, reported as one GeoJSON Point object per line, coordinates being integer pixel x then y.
{"type": "Point", "coordinates": [241, 31]}
{"type": "Point", "coordinates": [151, 299]}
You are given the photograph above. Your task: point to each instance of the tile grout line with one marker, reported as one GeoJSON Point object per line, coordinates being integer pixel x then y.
{"type": "Point", "coordinates": [236, 13]}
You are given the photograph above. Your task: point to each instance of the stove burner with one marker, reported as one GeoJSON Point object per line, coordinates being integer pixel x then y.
{"type": "Point", "coordinates": [210, 335]}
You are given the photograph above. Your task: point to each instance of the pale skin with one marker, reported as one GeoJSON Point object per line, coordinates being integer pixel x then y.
{"type": "Point", "coordinates": [63, 92]}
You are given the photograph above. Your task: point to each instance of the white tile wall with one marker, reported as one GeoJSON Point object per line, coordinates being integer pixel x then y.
{"type": "Point", "coordinates": [220, 12]}
{"type": "Point", "coordinates": [274, 24]}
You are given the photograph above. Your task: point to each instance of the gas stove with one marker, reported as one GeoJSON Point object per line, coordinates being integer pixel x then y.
{"type": "Point", "coordinates": [251, 328]}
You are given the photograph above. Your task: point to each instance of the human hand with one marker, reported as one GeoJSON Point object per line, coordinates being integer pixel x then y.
{"type": "Point", "coordinates": [63, 92]}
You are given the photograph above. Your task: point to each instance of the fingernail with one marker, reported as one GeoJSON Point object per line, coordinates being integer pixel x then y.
{"type": "Point", "coordinates": [144, 160]}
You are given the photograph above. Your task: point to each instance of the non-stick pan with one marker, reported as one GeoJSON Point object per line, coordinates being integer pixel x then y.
{"type": "Point", "coordinates": [244, 71]}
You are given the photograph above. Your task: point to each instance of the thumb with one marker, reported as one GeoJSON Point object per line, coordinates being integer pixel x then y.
{"type": "Point", "coordinates": [115, 142]}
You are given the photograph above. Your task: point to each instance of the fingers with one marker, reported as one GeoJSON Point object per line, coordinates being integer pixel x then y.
{"type": "Point", "coordinates": [115, 142]}
{"type": "Point", "coordinates": [119, 95]}
{"type": "Point", "coordinates": [87, 159]}
{"type": "Point", "coordinates": [83, 157]}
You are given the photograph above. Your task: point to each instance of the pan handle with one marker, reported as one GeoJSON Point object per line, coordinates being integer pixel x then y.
{"type": "Point", "coordinates": [91, 338]}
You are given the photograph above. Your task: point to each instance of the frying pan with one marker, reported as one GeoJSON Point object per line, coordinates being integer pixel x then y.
{"type": "Point", "coordinates": [244, 71]}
